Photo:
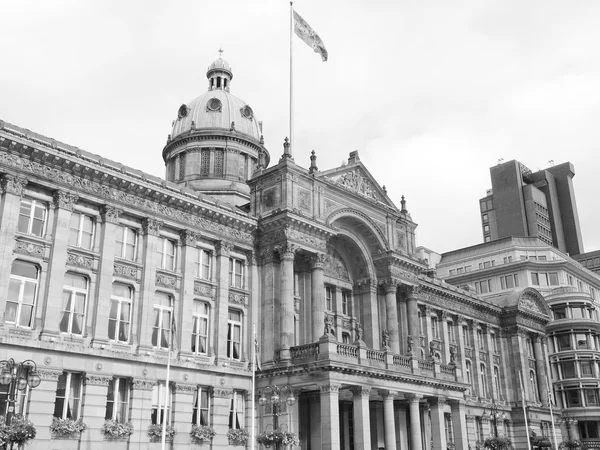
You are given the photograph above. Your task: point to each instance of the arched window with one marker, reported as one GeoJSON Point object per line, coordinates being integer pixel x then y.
{"type": "Point", "coordinates": [483, 379]}
{"type": "Point", "coordinates": [74, 304]}
{"type": "Point", "coordinates": [200, 328]}
{"type": "Point", "coordinates": [119, 319]}
{"type": "Point", "coordinates": [22, 290]}
{"type": "Point", "coordinates": [161, 328]}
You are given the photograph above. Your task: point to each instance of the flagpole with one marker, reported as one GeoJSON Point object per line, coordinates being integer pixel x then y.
{"type": "Point", "coordinates": [291, 81]}
{"type": "Point", "coordinates": [164, 419]}
{"type": "Point", "coordinates": [252, 432]}
{"type": "Point", "coordinates": [525, 411]}
{"type": "Point", "coordinates": [551, 413]}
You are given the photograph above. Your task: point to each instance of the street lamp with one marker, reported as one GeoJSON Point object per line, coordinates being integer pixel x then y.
{"type": "Point", "coordinates": [17, 377]}
{"type": "Point", "coordinates": [276, 396]}
{"type": "Point", "coordinates": [494, 415]}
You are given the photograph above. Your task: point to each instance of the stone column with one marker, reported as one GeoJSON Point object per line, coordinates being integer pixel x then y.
{"type": "Point", "coordinates": [253, 301]}
{"type": "Point", "coordinates": [540, 369]}
{"type": "Point", "coordinates": [42, 400]}
{"type": "Point", "coordinates": [390, 287]}
{"type": "Point", "coordinates": [286, 311]}
{"type": "Point", "coordinates": [438, 429]}
{"type": "Point", "coordinates": [64, 202]}
{"type": "Point", "coordinates": [415, 421]}
{"type": "Point", "coordinates": [182, 412]}
{"type": "Point", "coordinates": [267, 305]}
{"type": "Point", "coordinates": [362, 422]}
{"type": "Point", "coordinates": [142, 327]}
{"type": "Point", "coordinates": [317, 264]}
{"type": "Point", "coordinates": [370, 313]}
{"type": "Point", "coordinates": [94, 404]}
{"type": "Point", "coordinates": [402, 421]}
{"type": "Point", "coordinates": [223, 250]}
{"type": "Point", "coordinates": [459, 424]}
{"type": "Point", "coordinates": [413, 318]}
{"type": "Point", "coordinates": [389, 424]}
{"type": "Point", "coordinates": [141, 404]}
{"type": "Point", "coordinates": [11, 188]}
{"type": "Point", "coordinates": [110, 222]}
{"type": "Point", "coordinates": [330, 417]}
{"type": "Point", "coordinates": [183, 318]}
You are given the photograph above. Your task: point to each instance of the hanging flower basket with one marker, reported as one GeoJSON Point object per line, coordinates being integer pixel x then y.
{"type": "Point", "coordinates": [20, 432]}
{"type": "Point", "coordinates": [237, 436]}
{"type": "Point", "coordinates": [202, 433]}
{"type": "Point", "coordinates": [274, 437]}
{"type": "Point", "coordinates": [155, 432]}
{"type": "Point", "coordinates": [573, 444]}
{"type": "Point", "coordinates": [498, 443]}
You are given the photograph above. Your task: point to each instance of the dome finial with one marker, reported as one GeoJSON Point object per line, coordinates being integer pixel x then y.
{"type": "Point", "coordinates": [221, 52]}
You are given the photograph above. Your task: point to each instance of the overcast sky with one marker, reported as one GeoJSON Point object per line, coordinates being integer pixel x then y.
{"type": "Point", "coordinates": [431, 93]}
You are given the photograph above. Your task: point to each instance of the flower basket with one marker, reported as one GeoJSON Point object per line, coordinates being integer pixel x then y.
{"type": "Point", "coordinates": [540, 442]}
{"type": "Point", "coordinates": [498, 443]}
{"type": "Point", "coordinates": [450, 446]}
{"type": "Point", "coordinates": [155, 432]}
{"type": "Point", "coordinates": [237, 436]}
{"type": "Point", "coordinates": [274, 437]}
{"type": "Point", "coordinates": [20, 431]}
{"type": "Point", "coordinates": [67, 428]}
{"type": "Point", "coordinates": [116, 430]}
{"type": "Point", "coordinates": [202, 433]}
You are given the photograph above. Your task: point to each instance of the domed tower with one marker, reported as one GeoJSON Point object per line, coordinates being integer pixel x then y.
{"type": "Point", "coordinates": [216, 143]}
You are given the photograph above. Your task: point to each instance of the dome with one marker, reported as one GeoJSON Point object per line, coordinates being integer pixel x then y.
{"type": "Point", "coordinates": [217, 110]}
{"type": "Point", "coordinates": [220, 64]}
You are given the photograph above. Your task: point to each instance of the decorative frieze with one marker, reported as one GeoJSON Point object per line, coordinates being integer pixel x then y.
{"type": "Point", "coordinates": [65, 200]}
{"type": "Point", "coordinates": [166, 281]}
{"type": "Point", "coordinates": [12, 184]}
{"type": "Point", "coordinates": [238, 298]}
{"type": "Point", "coordinates": [205, 290]}
{"type": "Point", "coordinates": [27, 248]}
{"type": "Point", "coordinates": [186, 388]}
{"type": "Point", "coordinates": [223, 393]}
{"type": "Point", "coordinates": [121, 270]}
{"type": "Point", "coordinates": [97, 380]}
{"type": "Point", "coordinates": [143, 385]}
{"type": "Point", "coordinates": [80, 261]}
{"type": "Point", "coordinates": [49, 375]}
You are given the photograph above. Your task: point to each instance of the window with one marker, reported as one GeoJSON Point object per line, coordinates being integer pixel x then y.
{"type": "Point", "coordinates": [166, 254]}
{"type": "Point", "coordinates": [588, 429]}
{"type": "Point", "coordinates": [553, 279]}
{"type": "Point", "coordinates": [201, 406]}
{"type": "Point", "coordinates": [529, 344]}
{"type": "Point", "coordinates": [535, 279]}
{"type": "Point", "coordinates": [203, 264]}
{"type": "Point", "coordinates": [484, 218]}
{"type": "Point", "coordinates": [564, 342]}
{"type": "Point", "coordinates": [451, 333]}
{"type": "Point", "coordinates": [435, 332]}
{"type": "Point", "coordinates": [234, 335]}
{"type": "Point", "coordinates": [507, 259]}
{"type": "Point", "coordinates": [127, 240]}
{"type": "Point", "coordinates": [480, 341]}
{"type": "Point", "coordinates": [483, 378]}
{"type": "Point", "coordinates": [533, 386]}
{"type": "Point", "coordinates": [328, 298]}
{"type": "Point", "coordinates": [200, 330]}
{"type": "Point", "coordinates": [345, 338]}
{"type": "Point", "coordinates": [236, 411]}
{"type": "Point", "coordinates": [479, 429]}
{"type": "Point", "coordinates": [509, 281]}
{"type": "Point", "coordinates": [117, 400]}
{"type": "Point", "coordinates": [20, 403]}
{"type": "Point", "coordinates": [161, 329]}
{"type": "Point", "coordinates": [119, 319]}
{"type": "Point", "coordinates": [468, 372]}
{"type": "Point", "coordinates": [74, 301]}
{"type": "Point", "coordinates": [422, 323]}
{"type": "Point", "coordinates": [494, 340]}
{"type": "Point", "coordinates": [560, 312]}
{"type": "Point", "coordinates": [32, 217]}
{"type": "Point", "coordinates": [483, 287]}
{"type": "Point", "coordinates": [159, 411]}
{"type": "Point", "coordinates": [591, 396]}
{"type": "Point", "coordinates": [81, 233]}
{"type": "Point", "coordinates": [448, 427]}
{"type": "Point", "coordinates": [570, 280]}
{"type": "Point", "coordinates": [22, 290]}
{"type": "Point", "coordinates": [486, 228]}
{"type": "Point", "coordinates": [542, 258]}
{"type": "Point", "coordinates": [236, 273]}
{"type": "Point", "coordinates": [582, 342]}
{"type": "Point", "coordinates": [466, 337]}
{"type": "Point", "coordinates": [497, 382]}
{"type": "Point", "coordinates": [568, 369]}
{"type": "Point", "coordinates": [345, 303]}
{"type": "Point", "coordinates": [587, 368]}
{"type": "Point", "coordinates": [68, 396]}
{"type": "Point", "coordinates": [573, 398]}
{"type": "Point", "coordinates": [488, 239]}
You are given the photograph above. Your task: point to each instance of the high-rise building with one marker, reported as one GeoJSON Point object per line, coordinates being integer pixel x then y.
{"type": "Point", "coordinates": [360, 346]}
{"type": "Point", "coordinates": [525, 203]}
{"type": "Point", "coordinates": [498, 271]}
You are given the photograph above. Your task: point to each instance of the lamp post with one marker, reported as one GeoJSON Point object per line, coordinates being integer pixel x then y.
{"type": "Point", "coordinates": [276, 395]}
{"type": "Point", "coordinates": [494, 415]}
{"type": "Point", "coordinates": [17, 377]}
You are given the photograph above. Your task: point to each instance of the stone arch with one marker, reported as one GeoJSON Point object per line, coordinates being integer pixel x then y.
{"type": "Point", "coordinates": [361, 226]}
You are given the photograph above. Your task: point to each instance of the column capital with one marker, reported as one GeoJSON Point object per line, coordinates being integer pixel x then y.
{"type": "Point", "coordinates": [330, 388]}
{"type": "Point", "coordinates": [65, 200]}
{"type": "Point", "coordinates": [414, 292]}
{"type": "Point", "coordinates": [445, 315]}
{"type": "Point", "coordinates": [251, 257]}
{"type": "Point", "coordinates": [189, 237]}
{"type": "Point", "coordinates": [389, 285]}
{"type": "Point", "coordinates": [439, 401]}
{"type": "Point", "coordinates": [266, 255]}
{"type": "Point", "coordinates": [223, 248]}
{"type": "Point", "coordinates": [361, 391]}
{"type": "Point", "coordinates": [414, 398]}
{"type": "Point", "coordinates": [12, 184]}
{"type": "Point", "coordinates": [386, 393]}
{"type": "Point", "coordinates": [110, 214]}
{"type": "Point", "coordinates": [317, 261]}
{"type": "Point", "coordinates": [151, 227]}
{"type": "Point", "coordinates": [457, 403]}
{"type": "Point", "coordinates": [523, 332]}
{"type": "Point", "coordinates": [287, 251]}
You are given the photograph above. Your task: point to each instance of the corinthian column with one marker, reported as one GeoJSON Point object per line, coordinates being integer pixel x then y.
{"type": "Point", "coordinates": [317, 316]}
{"type": "Point", "coordinates": [391, 309]}
{"type": "Point", "coordinates": [415, 422]}
{"type": "Point", "coordinates": [540, 369]}
{"type": "Point", "coordinates": [286, 311]}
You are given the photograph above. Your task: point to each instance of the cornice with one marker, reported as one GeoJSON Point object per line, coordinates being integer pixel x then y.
{"type": "Point", "coordinates": [58, 163]}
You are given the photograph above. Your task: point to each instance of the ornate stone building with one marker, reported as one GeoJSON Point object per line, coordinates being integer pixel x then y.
{"type": "Point", "coordinates": [99, 262]}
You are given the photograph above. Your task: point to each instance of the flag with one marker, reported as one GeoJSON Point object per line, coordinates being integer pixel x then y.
{"type": "Point", "coordinates": [308, 35]}
{"type": "Point", "coordinates": [256, 353]}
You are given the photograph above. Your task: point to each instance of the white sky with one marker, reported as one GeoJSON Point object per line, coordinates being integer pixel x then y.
{"type": "Point", "coordinates": [431, 93]}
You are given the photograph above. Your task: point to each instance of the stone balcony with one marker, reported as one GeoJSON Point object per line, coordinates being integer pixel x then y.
{"type": "Point", "coordinates": [333, 352]}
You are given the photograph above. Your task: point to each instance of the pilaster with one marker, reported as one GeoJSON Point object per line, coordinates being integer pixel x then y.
{"type": "Point", "coordinates": [223, 251]}
{"type": "Point", "coordinates": [317, 264]}
{"type": "Point", "coordinates": [96, 390]}
{"type": "Point", "coordinates": [188, 256]}
{"type": "Point", "coordinates": [44, 397]}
